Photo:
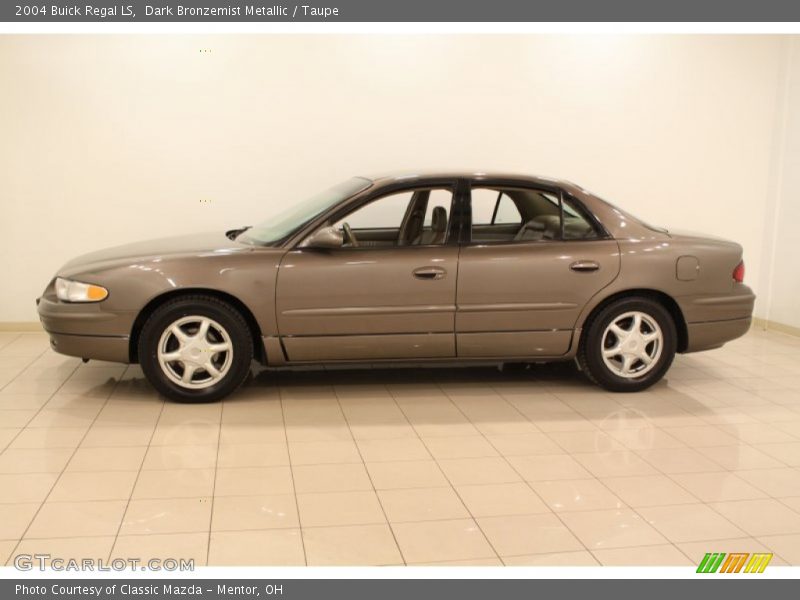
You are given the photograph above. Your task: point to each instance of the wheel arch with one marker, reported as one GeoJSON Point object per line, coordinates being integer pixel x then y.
{"type": "Point", "coordinates": [255, 331]}
{"type": "Point", "coordinates": [662, 298]}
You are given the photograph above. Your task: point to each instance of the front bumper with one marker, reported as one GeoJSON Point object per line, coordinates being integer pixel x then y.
{"type": "Point", "coordinates": [86, 330]}
{"type": "Point", "coordinates": [112, 349]}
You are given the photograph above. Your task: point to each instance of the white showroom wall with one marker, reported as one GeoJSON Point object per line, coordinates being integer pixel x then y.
{"type": "Point", "coordinates": [782, 271]}
{"type": "Point", "coordinates": [111, 139]}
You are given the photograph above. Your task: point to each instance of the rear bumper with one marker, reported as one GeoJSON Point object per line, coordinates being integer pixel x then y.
{"type": "Point", "coordinates": [707, 308]}
{"type": "Point", "coordinates": [713, 334]}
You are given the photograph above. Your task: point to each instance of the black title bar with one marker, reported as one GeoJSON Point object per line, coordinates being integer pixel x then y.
{"type": "Point", "coordinates": [148, 11]}
{"type": "Point", "coordinates": [700, 588]}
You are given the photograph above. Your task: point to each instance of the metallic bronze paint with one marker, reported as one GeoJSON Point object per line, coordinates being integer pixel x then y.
{"type": "Point", "coordinates": [499, 301]}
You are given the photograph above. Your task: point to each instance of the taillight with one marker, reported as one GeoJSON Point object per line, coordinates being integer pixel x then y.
{"type": "Point", "coordinates": [738, 273]}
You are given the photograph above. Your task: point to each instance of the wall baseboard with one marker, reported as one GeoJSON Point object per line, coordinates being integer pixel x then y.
{"type": "Point", "coordinates": [20, 326]}
{"type": "Point", "coordinates": [768, 325]}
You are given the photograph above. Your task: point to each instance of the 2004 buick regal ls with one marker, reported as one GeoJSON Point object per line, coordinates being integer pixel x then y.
{"type": "Point", "coordinates": [445, 266]}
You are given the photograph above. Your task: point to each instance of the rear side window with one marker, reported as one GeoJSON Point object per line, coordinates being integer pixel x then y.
{"type": "Point", "coordinates": [527, 215]}
{"type": "Point", "coordinates": [577, 225]}
{"type": "Point", "coordinates": [493, 207]}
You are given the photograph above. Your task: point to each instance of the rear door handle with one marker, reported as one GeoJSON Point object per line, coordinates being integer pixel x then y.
{"type": "Point", "coordinates": [429, 273]}
{"type": "Point", "coordinates": [583, 266]}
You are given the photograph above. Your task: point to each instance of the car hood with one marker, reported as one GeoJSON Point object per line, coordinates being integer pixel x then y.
{"type": "Point", "coordinates": [196, 244]}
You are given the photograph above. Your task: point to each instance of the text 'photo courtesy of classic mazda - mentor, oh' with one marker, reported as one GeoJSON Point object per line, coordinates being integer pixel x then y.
{"type": "Point", "coordinates": [467, 267]}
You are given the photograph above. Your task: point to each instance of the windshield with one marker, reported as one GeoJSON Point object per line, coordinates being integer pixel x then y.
{"type": "Point", "coordinates": [292, 218]}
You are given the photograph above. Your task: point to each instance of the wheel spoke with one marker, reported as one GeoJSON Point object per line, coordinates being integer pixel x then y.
{"type": "Point", "coordinates": [171, 356]}
{"type": "Point", "coordinates": [211, 369]}
{"type": "Point", "coordinates": [188, 372]}
{"type": "Point", "coordinates": [611, 352]}
{"type": "Point", "coordinates": [645, 358]}
{"type": "Point", "coordinates": [217, 348]}
{"type": "Point", "coordinates": [649, 337]}
{"type": "Point", "coordinates": [636, 326]}
{"type": "Point", "coordinates": [627, 363]}
{"type": "Point", "coordinates": [180, 334]}
{"type": "Point", "coordinates": [203, 331]}
{"type": "Point", "coordinates": [618, 331]}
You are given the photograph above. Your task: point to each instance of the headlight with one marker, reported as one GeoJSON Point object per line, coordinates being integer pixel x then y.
{"type": "Point", "coordinates": [75, 291]}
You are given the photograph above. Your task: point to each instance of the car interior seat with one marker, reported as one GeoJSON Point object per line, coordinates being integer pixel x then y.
{"type": "Point", "coordinates": [438, 230]}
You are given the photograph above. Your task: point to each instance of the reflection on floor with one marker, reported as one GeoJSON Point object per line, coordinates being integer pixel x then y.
{"type": "Point", "coordinates": [396, 466]}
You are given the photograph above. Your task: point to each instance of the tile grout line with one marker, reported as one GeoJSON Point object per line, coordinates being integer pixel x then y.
{"type": "Point", "coordinates": [583, 415]}
{"type": "Point", "coordinates": [453, 487]}
{"type": "Point", "coordinates": [369, 475]}
{"type": "Point", "coordinates": [669, 477]}
{"type": "Point", "coordinates": [74, 451]}
{"type": "Point", "coordinates": [214, 481]}
{"type": "Point", "coordinates": [421, 439]}
{"type": "Point", "coordinates": [46, 402]}
{"type": "Point", "coordinates": [136, 480]}
{"type": "Point", "coordinates": [15, 336]}
{"type": "Point", "coordinates": [514, 469]}
{"type": "Point", "coordinates": [34, 358]}
{"type": "Point", "coordinates": [291, 467]}
{"type": "Point", "coordinates": [701, 502]}
{"type": "Point", "coordinates": [630, 507]}
{"type": "Point", "coordinates": [633, 509]}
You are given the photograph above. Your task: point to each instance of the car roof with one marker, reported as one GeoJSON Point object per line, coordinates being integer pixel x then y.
{"type": "Point", "coordinates": [423, 175]}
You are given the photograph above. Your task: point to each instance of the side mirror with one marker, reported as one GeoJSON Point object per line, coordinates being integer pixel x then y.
{"type": "Point", "coordinates": [327, 237]}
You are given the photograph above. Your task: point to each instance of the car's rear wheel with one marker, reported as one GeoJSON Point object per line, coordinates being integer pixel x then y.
{"type": "Point", "coordinates": [195, 349]}
{"type": "Point", "coordinates": [628, 345]}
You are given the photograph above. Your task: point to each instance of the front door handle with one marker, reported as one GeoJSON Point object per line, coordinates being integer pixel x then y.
{"type": "Point", "coordinates": [584, 266]}
{"type": "Point", "coordinates": [429, 273]}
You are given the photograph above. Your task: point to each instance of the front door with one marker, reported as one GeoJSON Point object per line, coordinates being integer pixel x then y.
{"type": "Point", "coordinates": [526, 273]}
{"type": "Point", "coordinates": [388, 293]}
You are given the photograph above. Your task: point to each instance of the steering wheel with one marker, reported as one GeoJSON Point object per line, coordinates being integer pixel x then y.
{"type": "Point", "coordinates": [349, 235]}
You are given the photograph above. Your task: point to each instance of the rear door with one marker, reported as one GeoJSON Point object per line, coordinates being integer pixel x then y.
{"type": "Point", "coordinates": [525, 273]}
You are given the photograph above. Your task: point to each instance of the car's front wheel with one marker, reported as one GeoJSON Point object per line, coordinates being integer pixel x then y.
{"type": "Point", "coordinates": [195, 349]}
{"type": "Point", "coordinates": [628, 345]}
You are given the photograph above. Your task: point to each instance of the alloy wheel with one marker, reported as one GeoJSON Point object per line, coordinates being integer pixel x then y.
{"type": "Point", "coordinates": [195, 352]}
{"type": "Point", "coordinates": [632, 344]}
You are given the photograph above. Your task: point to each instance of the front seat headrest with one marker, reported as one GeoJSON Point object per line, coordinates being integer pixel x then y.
{"type": "Point", "coordinates": [439, 219]}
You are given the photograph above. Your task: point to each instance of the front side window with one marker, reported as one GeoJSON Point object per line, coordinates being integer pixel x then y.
{"type": "Point", "coordinates": [418, 217]}
{"type": "Point", "coordinates": [502, 214]}
{"type": "Point", "coordinates": [384, 213]}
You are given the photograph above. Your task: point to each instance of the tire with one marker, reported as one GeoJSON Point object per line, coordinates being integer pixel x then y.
{"type": "Point", "coordinates": [618, 361]}
{"type": "Point", "coordinates": [170, 344]}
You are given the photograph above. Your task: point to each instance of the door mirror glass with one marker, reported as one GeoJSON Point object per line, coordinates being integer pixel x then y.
{"type": "Point", "coordinates": [327, 237]}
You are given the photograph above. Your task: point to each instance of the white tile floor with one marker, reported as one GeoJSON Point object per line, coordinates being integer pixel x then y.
{"type": "Point", "coordinates": [397, 466]}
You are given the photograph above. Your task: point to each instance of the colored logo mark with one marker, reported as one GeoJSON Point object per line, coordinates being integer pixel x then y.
{"type": "Point", "coordinates": [735, 562]}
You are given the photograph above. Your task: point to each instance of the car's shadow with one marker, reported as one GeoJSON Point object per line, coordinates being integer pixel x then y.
{"type": "Point", "coordinates": [535, 393]}
{"type": "Point", "coordinates": [563, 375]}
